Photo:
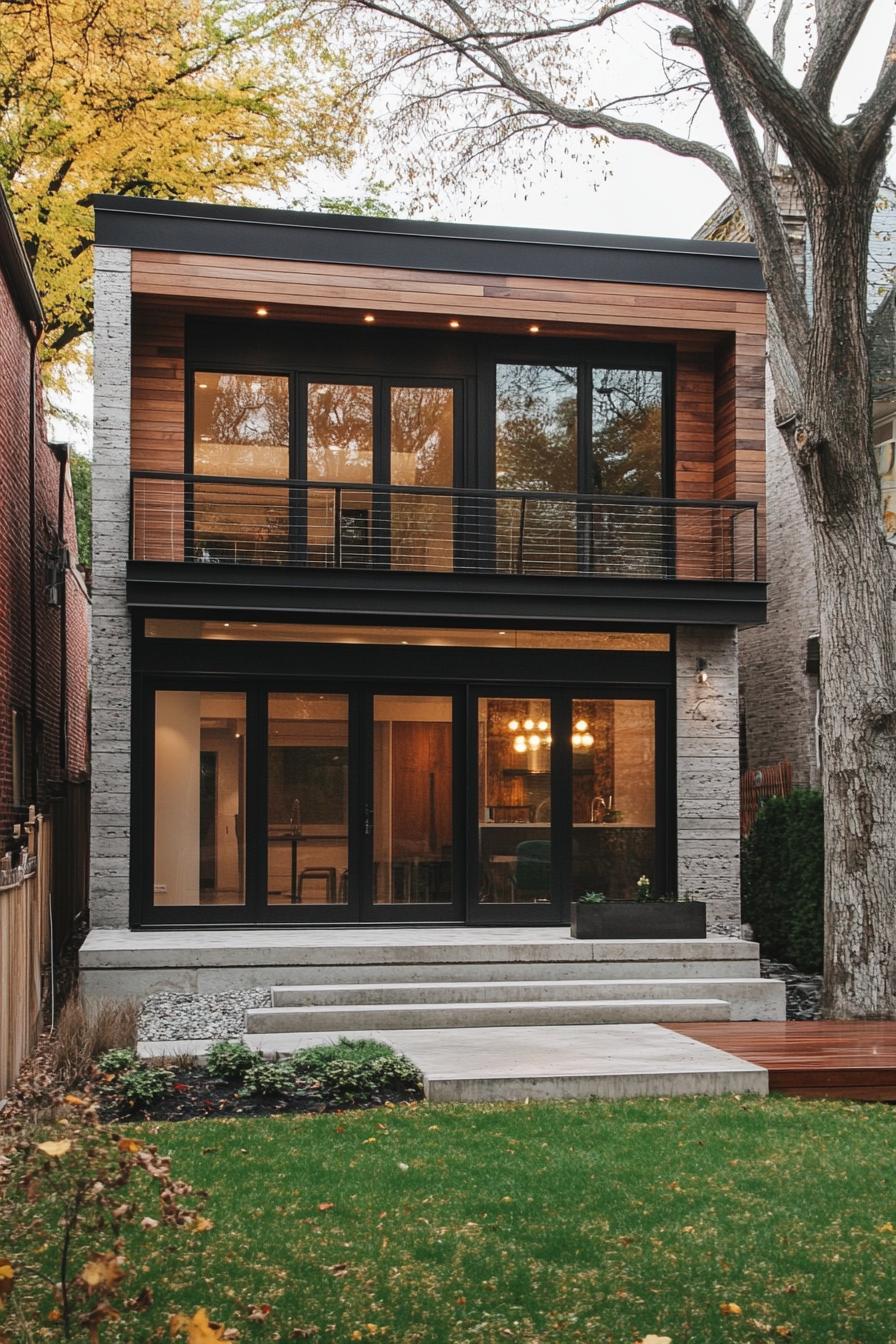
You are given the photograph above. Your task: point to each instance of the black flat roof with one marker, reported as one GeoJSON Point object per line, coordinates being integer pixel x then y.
{"type": "Point", "coordinates": [239, 231]}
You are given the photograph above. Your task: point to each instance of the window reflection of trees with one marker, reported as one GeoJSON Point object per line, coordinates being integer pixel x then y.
{"type": "Point", "coordinates": [242, 430]}
{"type": "Point", "coordinates": [340, 432]}
{"type": "Point", "coordinates": [422, 454]}
{"type": "Point", "coordinates": [626, 432]}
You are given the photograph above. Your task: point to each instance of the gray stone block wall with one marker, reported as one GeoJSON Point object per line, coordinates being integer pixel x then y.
{"type": "Point", "coordinates": [111, 643]}
{"type": "Point", "coordinates": [779, 696]}
{"type": "Point", "coordinates": [708, 771]}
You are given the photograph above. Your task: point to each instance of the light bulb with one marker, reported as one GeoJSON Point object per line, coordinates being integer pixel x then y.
{"type": "Point", "coordinates": [581, 725]}
{"type": "Point", "coordinates": [534, 741]}
{"type": "Point", "coordinates": [548, 740]}
{"type": "Point", "coordinates": [513, 725]}
{"type": "Point", "coordinates": [587, 740]}
{"type": "Point", "coordinates": [528, 724]}
{"type": "Point", "coordinates": [577, 739]}
{"type": "Point", "coordinates": [542, 725]}
{"type": "Point", "coordinates": [519, 744]}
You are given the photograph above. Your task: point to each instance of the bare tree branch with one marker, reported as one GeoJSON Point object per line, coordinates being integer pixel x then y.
{"type": "Point", "coordinates": [838, 27]}
{"type": "Point", "coordinates": [871, 127]}
{"type": "Point", "coordinates": [779, 51]}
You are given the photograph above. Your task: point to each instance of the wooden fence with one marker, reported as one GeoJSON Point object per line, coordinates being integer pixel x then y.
{"type": "Point", "coordinates": [772, 781]}
{"type": "Point", "coordinates": [25, 949]}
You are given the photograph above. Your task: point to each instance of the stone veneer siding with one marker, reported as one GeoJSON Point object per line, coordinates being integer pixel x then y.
{"type": "Point", "coordinates": [708, 771]}
{"type": "Point", "coordinates": [111, 708]}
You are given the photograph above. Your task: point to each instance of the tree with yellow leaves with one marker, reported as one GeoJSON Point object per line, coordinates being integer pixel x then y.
{"type": "Point", "coordinates": [200, 99]}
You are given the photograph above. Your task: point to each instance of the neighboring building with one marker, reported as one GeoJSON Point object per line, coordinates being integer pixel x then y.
{"type": "Point", "coordinates": [45, 620]}
{"type": "Point", "coordinates": [420, 553]}
{"type": "Point", "coordinates": [779, 662]}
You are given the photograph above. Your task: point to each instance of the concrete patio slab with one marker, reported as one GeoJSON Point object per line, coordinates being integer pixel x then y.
{"type": "Point", "coordinates": [554, 1063]}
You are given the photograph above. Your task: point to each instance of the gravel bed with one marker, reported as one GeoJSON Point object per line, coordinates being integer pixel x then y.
{"type": "Point", "coordinates": [803, 990]}
{"type": "Point", "coordinates": [183, 1017]}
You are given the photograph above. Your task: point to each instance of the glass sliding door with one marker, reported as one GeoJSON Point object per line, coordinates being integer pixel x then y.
{"type": "Point", "coordinates": [614, 796]}
{"type": "Point", "coordinates": [307, 800]}
{"type": "Point", "coordinates": [199, 805]}
{"type": "Point", "coordinates": [421, 453]}
{"type": "Point", "coordinates": [412, 803]}
{"type": "Point", "coordinates": [514, 824]}
{"type": "Point", "coordinates": [240, 429]}
{"type": "Point", "coordinates": [340, 448]}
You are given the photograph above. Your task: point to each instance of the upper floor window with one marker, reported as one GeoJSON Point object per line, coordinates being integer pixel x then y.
{"type": "Point", "coordinates": [240, 424]}
{"type": "Point", "coordinates": [579, 429]}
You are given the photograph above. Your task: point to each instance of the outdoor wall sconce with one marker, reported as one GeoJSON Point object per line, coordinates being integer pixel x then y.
{"type": "Point", "coordinates": [702, 675]}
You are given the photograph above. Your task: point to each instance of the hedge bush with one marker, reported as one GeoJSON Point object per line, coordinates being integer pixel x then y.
{"type": "Point", "coordinates": [782, 870]}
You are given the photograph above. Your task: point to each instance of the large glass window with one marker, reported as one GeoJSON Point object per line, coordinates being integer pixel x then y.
{"type": "Point", "coordinates": [614, 796]}
{"type": "Point", "coordinates": [412, 799]}
{"type": "Point", "coordinates": [626, 455]}
{"type": "Point", "coordinates": [307, 836]}
{"type": "Point", "coordinates": [339, 442]}
{"type": "Point", "coordinates": [200, 790]}
{"type": "Point", "coordinates": [241, 429]}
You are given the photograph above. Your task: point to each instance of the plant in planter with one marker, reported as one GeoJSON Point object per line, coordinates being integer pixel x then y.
{"type": "Point", "coordinates": [651, 914]}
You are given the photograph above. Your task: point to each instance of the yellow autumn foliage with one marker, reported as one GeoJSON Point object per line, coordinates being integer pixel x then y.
{"type": "Point", "coordinates": [213, 100]}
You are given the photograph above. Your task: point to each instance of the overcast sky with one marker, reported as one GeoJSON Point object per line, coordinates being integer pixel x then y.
{"type": "Point", "coordinates": [628, 188]}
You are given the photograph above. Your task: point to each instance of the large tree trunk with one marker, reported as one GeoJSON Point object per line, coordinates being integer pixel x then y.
{"type": "Point", "coordinates": [834, 453]}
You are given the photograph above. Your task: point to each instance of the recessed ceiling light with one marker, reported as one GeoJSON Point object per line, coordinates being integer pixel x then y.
{"type": "Point", "coordinates": [203, 384]}
{"type": "Point", "coordinates": [262, 312]}
{"type": "Point", "coordinates": [533, 328]}
{"type": "Point", "coordinates": [369, 317]}
{"type": "Point", "coordinates": [454, 323]}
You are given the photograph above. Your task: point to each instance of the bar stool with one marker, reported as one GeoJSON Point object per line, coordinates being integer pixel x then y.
{"type": "Point", "coordinates": [325, 875]}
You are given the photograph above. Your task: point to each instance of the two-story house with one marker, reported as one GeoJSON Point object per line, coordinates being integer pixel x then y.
{"type": "Point", "coordinates": [420, 556]}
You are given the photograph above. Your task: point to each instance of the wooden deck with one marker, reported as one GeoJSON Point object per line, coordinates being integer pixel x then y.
{"type": "Point", "coordinates": [854, 1060]}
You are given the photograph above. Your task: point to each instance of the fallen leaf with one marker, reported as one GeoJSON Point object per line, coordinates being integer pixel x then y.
{"type": "Point", "coordinates": [55, 1147]}
{"type": "Point", "coordinates": [200, 1224]}
{"type": "Point", "coordinates": [304, 1331]}
{"type": "Point", "coordinates": [103, 1272]}
{"type": "Point", "coordinates": [260, 1312]}
{"type": "Point", "coordinates": [323, 1207]}
{"type": "Point", "coordinates": [128, 1146]}
{"type": "Point", "coordinates": [785, 1331]}
{"type": "Point", "coordinates": [338, 1271]}
{"type": "Point", "coordinates": [199, 1329]}
{"type": "Point", "coordinates": [886, 1227]}
{"type": "Point", "coordinates": [730, 1309]}
{"type": "Point", "coordinates": [72, 1100]}
{"type": "Point", "coordinates": [656, 1339]}
{"type": "Point", "coordinates": [149, 1223]}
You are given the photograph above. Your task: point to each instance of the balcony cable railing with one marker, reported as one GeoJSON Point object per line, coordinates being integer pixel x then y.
{"type": "Point", "coordinates": [224, 520]}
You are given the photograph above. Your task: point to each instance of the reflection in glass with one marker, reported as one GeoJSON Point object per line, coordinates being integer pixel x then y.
{"type": "Point", "coordinates": [412, 799]}
{"type": "Point", "coordinates": [514, 808]}
{"type": "Point", "coordinates": [340, 448]}
{"type": "Point", "coordinates": [614, 796]}
{"type": "Point", "coordinates": [199, 804]}
{"type": "Point", "coordinates": [421, 424]}
{"type": "Point", "coordinates": [240, 429]}
{"type": "Point", "coordinates": [626, 432]}
{"type": "Point", "coordinates": [536, 449]}
{"type": "Point", "coordinates": [307, 799]}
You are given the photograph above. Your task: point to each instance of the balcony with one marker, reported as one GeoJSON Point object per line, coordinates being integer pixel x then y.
{"type": "Point", "coordinates": [217, 533]}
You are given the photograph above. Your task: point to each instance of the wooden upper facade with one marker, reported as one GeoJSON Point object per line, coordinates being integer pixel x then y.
{"type": "Point", "coordinates": [200, 275]}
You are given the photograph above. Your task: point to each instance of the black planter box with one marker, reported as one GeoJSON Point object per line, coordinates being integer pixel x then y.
{"type": "Point", "coordinates": [639, 919]}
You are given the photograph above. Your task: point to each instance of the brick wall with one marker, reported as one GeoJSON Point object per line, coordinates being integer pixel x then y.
{"type": "Point", "coordinates": [15, 591]}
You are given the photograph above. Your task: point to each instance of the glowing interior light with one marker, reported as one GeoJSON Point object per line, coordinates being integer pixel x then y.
{"type": "Point", "coordinates": [519, 744]}
{"type": "Point", "coordinates": [548, 740]}
{"type": "Point", "coordinates": [587, 740]}
{"type": "Point", "coordinates": [580, 725]}
{"type": "Point", "coordinates": [528, 724]}
{"type": "Point", "coordinates": [513, 725]}
{"type": "Point", "coordinates": [577, 739]}
{"type": "Point", "coordinates": [534, 741]}
{"type": "Point", "coordinates": [542, 725]}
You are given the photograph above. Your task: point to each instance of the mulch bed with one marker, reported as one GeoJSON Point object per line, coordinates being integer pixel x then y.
{"type": "Point", "coordinates": [196, 1095]}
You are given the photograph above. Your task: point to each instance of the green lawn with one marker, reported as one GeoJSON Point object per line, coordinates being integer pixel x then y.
{"type": "Point", "coordinates": [570, 1222]}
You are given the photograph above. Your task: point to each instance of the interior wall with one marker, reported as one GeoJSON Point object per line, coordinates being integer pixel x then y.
{"type": "Point", "coordinates": [176, 871]}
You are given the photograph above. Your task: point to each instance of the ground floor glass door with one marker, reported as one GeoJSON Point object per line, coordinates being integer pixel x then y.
{"type": "Point", "coordinates": [382, 804]}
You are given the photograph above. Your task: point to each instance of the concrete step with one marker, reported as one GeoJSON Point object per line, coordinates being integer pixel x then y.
{"type": "Point", "coordinates": [547, 1012]}
{"type": "Point", "coordinates": [749, 999]}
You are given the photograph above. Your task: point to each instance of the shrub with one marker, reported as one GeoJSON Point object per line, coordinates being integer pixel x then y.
{"type": "Point", "coordinates": [141, 1086]}
{"type": "Point", "coordinates": [346, 1081]}
{"type": "Point", "coordinates": [270, 1079]}
{"type": "Point", "coordinates": [782, 869]}
{"type": "Point", "coordinates": [230, 1061]}
{"type": "Point", "coordinates": [117, 1061]}
{"type": "Point", "coordinates": [309, 1062]}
